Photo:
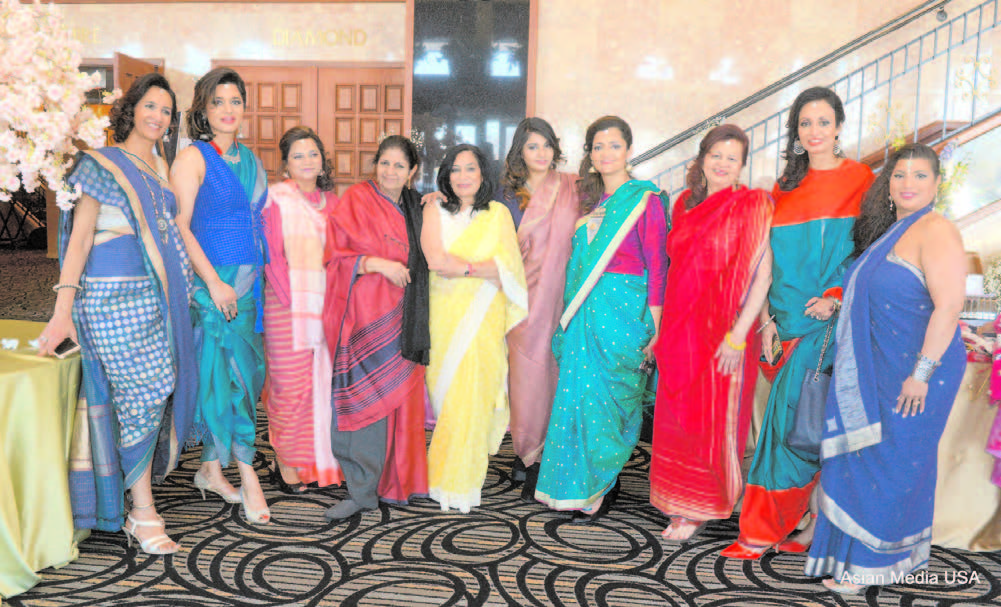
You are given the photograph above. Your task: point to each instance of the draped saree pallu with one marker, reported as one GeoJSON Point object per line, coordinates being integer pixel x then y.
{"type": "Point", "coordinates": [811, 242]}
{"type": "Point", "coordinates": [702, 416]}
{"type": "Point", "coordinates": [467, 374]}
{"type": "Point", "coordinates": [373, 385]}
{"type": "Point", "coordinates": [994, 439]}
{"type": "Point", "coordinates": [134, 328]}
{"type": "Point", "coordinates": [297, 394]}
{"type": "Point", "coordinates": [877, 482]}
{"type": "Point", "coordinates": [544, 236]}
{"type": "Point", "coordinates": [606, 324]}
{"type": "Point", "coordinates": [227, 224]}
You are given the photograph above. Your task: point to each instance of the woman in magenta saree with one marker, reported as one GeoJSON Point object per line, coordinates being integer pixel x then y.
{"type": "Point", "coordinates": [899, 365]}
{"type": "Point", "coordinates": [707, 353]}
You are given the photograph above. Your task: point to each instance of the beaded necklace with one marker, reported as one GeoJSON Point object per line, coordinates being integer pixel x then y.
{"type": "Point", "coordinates": [159, 209]}
{"type": "Point", "coordinates": [232, 156]}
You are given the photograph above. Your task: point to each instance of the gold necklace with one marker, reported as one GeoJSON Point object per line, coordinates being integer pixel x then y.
{"type": "Point", "coordinates": [160, 210]}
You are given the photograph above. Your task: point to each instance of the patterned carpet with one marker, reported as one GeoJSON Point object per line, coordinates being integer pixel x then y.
{"type": "Point", "coordinates": [503, 553]}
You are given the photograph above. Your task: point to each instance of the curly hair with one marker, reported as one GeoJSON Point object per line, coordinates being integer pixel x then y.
{"type": "Point", "coordinates": [123, 112]}
{"type": "Point", "coordinates": [297, 133]}
{"type": "Point", "coordinates": [591, 186]}
{"type": "Point", "coordinates": [515, 169]}
{"type": "Point", "coordinates": [695, 179]}
{"type": "Point", "coordinates": [797, 165]}
{"type": "Point", "coordinates": [196, 121]}
{"type": "Point", "coordinates": [878, 214]}
{"type": "Point", "coordinates": [452, 203]}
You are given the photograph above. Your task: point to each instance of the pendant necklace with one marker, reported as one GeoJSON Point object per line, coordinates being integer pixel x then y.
{"type": "Point", "coordinates": [232, 157]}
{"type": "Point", "coordinates": [159, 209]}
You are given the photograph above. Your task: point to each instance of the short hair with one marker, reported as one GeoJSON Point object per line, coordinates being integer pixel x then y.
{"type": "Point", "coordinates": [591, 186]}
{"type": "Point", "coordinates": [797, 165]}
{"type": "Point", "coordinates": [196, 120]}
{"type": "Point", "coordinates": [324, 181]}
{"type": "Point", "coordinates": [452, 203]}
{"type": "Point", "coordinates": [123, 112]}
{"type": "Point", "coordinates": [401, 143]}
{"type": "Point", "coordinates": [515, 169]}
{"type": "Point", "coordinates": [695, 180]}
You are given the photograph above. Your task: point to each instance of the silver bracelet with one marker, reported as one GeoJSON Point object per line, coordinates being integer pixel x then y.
{"type": "Point", "coordinates": [924, 368]}
{"type": "Point", "coordinates": [56, 288]}
{"type": "Point", "coordinates": [768, 322]}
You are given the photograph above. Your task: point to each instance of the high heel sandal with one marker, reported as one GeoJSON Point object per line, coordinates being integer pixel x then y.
{"type": "Point", "coordinates": [531, 481]}
{"type": "Point", "coordinates": [152, 545]}
{"type": "Point", "coordinates": [737, 550]}
{"type": "Point", "coordinates": [254, 517]}
{"type": "Point", "coordinates": [204, 485]}
{"type": "Point", "coordinates": [589, 518]}
{"type": "Point", "coordinates": [794, 545]}
{"type": "Point", "coordinates": [275, 478]}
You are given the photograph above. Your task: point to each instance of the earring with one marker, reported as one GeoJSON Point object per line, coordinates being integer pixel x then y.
{"type": "Point", "coordinates": [837, 145]}
{"type": "Point", "coordinates": [592, 169]}
{"type": "Point", "coordinates": [629, 168]}
{"type": "Point", "coordinates": [797, 148]}
{"type": "Point", "coordinates": [893, 207]}
{"type": "Point", "coordinates": [705, 181]}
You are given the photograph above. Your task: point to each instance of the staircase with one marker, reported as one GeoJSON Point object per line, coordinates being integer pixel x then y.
{"type": "Point", "coordinates": [931, 88]}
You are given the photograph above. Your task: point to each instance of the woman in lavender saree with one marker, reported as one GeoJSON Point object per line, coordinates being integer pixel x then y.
{"type": "Point", "coordinates": [125, 278]}
{"type": "Point", "coordinates": [899, 365]}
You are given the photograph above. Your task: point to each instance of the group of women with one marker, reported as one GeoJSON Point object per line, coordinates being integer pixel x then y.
{"type": "Point", "coordinates": [541, 306]}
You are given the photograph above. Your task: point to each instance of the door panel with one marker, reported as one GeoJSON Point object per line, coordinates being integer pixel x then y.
{"type": "Point", "coordinates": [129, 69]}
{"type": "Point", "coordinates": [278, 98]}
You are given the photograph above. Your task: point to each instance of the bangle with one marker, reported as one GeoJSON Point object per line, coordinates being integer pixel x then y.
{"type": "Point", "coordinates": [66, 286]}
{"type": "Point", "coordinates": [469, 269]}
{"type": "Point", "coordinates": [767, 322]}
{"type": "Point", "coordinates": [837, 304]}
{"type": "Point", "coordinates": [924, 368]}
{"type": "Point", "coordinates": [736, 347]}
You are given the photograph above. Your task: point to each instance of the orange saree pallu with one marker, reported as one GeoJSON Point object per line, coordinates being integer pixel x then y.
{"type": "Point", "coordinates": [702, 416]}
{"type": "Point", "coordinates": [363, 321]}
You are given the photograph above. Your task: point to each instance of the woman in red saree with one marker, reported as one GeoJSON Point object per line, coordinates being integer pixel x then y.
{"type": "Point", "coordinates": [296, 396]}
{"type": "Point", "coordinates": [377, 433]}
{"type": "Point", "coordinates": [543, 203]}
{"type": "Point", "coordinates": [707, 354]}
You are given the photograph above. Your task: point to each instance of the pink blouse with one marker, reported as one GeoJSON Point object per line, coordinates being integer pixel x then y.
{"type": "Point", "coordinates": [645, 248]}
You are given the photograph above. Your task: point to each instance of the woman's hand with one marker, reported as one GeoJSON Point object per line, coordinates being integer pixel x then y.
{"type": "Point", "coordinates": [224, 298]}
{"type": "Point", "coordinates": [432, 197]}
{"type": "Point", "coordinates": [648, 350]}
{"type": "Point", "coordinates": [394, 271]}
{"type": "Point", "coordinates": [820, 308]}
{"type": "Point", "coordinates": [60, 327]}
{"type": "Point", "coordinates": [769, 333]}
{"type": "Point", "coordinates": [912, 397]}
{"type": "Point", "coordinates": [728, 358]}
{"type": "Point", "coordinates": [451, 267]}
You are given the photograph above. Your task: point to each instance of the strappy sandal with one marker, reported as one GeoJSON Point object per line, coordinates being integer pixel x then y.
{"type": "Point", "coordinates": [152, 545]}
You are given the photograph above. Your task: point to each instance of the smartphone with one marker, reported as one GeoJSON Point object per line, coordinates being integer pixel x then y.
{"type": "Point", "coordinates": [66, 347]}
{"type": "Point", "coordinates": [777, 352]}
{"type": "Point", "coordinates": [648, 366]}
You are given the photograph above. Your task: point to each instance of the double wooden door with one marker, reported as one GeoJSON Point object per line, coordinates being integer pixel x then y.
{"type": "Point", "coordinates": [351, 109]}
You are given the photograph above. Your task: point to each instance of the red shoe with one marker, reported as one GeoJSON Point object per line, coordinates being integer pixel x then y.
{"type": "Point", "coordinates": [792, 546]}
{"type": "Point", "coordinates": [737, 550]}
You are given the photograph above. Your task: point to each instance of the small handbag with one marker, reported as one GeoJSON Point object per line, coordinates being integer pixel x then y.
{"type": "Point", "coordinates": [808, 423]}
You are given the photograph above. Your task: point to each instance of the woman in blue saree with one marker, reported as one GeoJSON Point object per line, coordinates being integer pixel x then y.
{"type": "Point", "coordinates": [221, 189]}
{"type": "Point", "coordinates": [899, 365]}
{"type": "Point", "coordinates": [123, 296]}
{"type": "Point", "coordinates": [613, 298]}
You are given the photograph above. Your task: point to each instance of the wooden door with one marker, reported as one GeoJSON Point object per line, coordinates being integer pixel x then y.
{"type": "Point", "coordinates": [278, 98]}
{"type": "Point", "coordinates": [127, 70]}
{"type": "Point", "coordinates": [358, 107]}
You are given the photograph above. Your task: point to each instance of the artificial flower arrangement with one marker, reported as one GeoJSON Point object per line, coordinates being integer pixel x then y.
{"type": "Point", "coordinates": [42, 95]}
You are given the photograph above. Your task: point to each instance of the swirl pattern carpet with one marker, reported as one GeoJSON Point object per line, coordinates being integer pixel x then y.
{"type": "Point", "coordinates": [505, 553]}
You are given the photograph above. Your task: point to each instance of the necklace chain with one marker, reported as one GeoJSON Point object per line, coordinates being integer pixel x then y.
{"type": "Point", "coordinates": [159, 209]}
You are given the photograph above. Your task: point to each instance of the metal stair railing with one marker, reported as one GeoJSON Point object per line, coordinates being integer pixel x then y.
{"type": "Point", "coordinates": [920, 74]}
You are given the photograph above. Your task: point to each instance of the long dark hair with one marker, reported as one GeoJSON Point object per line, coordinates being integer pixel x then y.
{"type": "Point", "coordinates": [877, 213]}
{"type": "Point", "coordinates": [696, 180]}
{"type": "Point", "coordinates": [123, 113]}
{"type": "Point", "coordinates": [196, 120]}
{"type": "Point", "coordinates": [323, 181]}
{"type": "Point", "coordinates": [452, 203]}
{"type": "Point", "coordinates": [591, 186]}
{"type": "Point", "coordinates": [797, 165]}
{"type": "Point", "coordinates": [515, 169]}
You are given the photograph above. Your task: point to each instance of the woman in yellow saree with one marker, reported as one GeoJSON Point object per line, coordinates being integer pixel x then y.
{"type": "Point", "coordinates": [478, 295]}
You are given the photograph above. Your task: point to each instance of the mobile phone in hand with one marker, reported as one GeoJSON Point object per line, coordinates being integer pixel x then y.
{"type": "Point", "coordinates": [66, 347]}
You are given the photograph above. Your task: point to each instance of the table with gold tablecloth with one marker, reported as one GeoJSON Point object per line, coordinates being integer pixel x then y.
{"type": "Point", "coordinates": [38, 398]}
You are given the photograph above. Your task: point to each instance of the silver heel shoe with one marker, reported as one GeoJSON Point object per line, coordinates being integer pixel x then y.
{"type": "Point", "coordinates": [153, 545]}
{"type": "Point", "coordinates": [204, 485]}
{"type": "Point", "coordinates": [254, 517]}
